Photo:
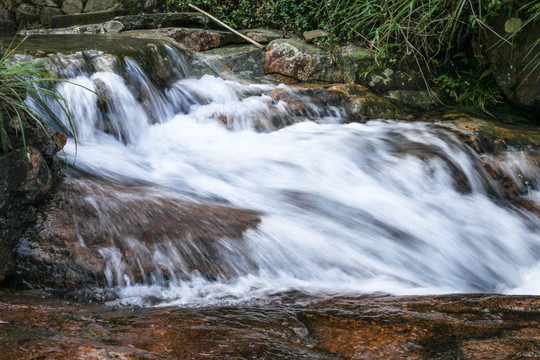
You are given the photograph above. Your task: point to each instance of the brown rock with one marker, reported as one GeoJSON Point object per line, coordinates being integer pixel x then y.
{"type": "Point", "coordinates": [36, 325]}
{"type": "Point", "coordinates": [193, 40]}
{"type": "Point", "coordinates": [91, 224]}
{"type": "Point", "coordinates": [301, 61]}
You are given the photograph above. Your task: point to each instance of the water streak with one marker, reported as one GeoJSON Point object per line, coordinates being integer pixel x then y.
{"type": "Point", "coordinates": [348, 208]}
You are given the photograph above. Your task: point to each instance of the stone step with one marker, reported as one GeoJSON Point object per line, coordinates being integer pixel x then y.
{"type": "Point", "coordinates": [135, 22]}
{"type": "Point", "coordinates": [63, 21]}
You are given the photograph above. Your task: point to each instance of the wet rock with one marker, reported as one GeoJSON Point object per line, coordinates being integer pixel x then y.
{"type": "Point", "coordinates": [488, 135]}
{"type": "Point", "coordinates": [353, 103]}
{"type": "Point", "coordinates": [362, 105]}
{"type": "Point", "coordinates": [509, 175]}
{"type": "Point", "coordinates": [35, 325]}
{"type": "Point", "coordinates": [113, 27]}
{"type": "Point", "coordinates": [301, 61]}
{"type": "Point", "coordinates": [92, 230]}
{"type": "Point", "coordinates": [26, 178]}
{"type": "Point", "coordinates": [105, 62]}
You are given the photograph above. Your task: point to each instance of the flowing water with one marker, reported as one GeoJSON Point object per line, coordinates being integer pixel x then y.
{"type": "Point", "coordinates": [348, 208]}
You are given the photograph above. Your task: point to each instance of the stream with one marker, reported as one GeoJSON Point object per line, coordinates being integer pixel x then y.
{"type": "Point", "coordinates": [346, 208]}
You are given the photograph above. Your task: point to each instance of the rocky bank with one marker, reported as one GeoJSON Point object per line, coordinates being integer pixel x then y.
{"type": "Point", "coordinates": [40, 245]}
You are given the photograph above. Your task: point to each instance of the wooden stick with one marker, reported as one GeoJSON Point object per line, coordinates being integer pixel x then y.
{"type": "Point", "coordinates": [227, 27]}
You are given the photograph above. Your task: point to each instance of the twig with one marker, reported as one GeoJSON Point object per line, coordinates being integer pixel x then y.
{"type": "Point", "coordinates": [228, 27]}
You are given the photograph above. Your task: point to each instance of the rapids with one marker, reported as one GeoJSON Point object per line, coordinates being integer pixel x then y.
{"type": "Point", "coordinates": [348, 208]}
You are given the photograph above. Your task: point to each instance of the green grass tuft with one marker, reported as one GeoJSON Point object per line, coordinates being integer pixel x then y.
{"type": "Point", "coordinates": [25, 89]}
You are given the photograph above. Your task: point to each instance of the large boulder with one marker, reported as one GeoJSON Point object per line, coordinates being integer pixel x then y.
{"type": "Point", "coordinates": [515, 65]}
{"type": "Point", "coordinates": [301, 61]}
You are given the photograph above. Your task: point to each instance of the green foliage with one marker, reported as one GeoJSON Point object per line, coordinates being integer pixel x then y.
{"type": "Point", "coordinates": [289, 15]}
{"type": "Point", "coordinates": [470, 87]}
{"type": "Point", "coordinates": [24, 80]}
{"type": "Point", "coordinates": [434, 32]}
{"type": "Point", "coordinates": [437, 33]}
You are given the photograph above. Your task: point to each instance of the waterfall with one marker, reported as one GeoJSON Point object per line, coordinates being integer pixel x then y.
{"type": "Point", "coordinates": [345, 208]}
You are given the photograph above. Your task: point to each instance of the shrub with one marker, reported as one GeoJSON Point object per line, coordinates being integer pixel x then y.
{"type": "Point", "coordinates": [442, 36]}
{"type": "Point", "coordinates": [289, 15]}
{"type": "Point", "coordinates": [437, 33]}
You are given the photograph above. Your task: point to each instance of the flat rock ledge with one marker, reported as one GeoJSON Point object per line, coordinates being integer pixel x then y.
{"type": "Point", "coordinates": [37, 325]}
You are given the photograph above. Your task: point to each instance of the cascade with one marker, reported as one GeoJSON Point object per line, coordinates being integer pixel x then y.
{"type": "Point", "coordinates": [328, 206]}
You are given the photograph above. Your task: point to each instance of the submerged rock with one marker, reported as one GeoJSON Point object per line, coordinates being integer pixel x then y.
{"type": "Point", "coordinates": [94, 233]}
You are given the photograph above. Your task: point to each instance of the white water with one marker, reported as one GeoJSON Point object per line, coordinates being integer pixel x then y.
{"type": "Point", "coordinates": [349, 208]}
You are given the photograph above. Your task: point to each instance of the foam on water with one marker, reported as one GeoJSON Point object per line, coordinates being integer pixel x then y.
{"type": "Point", "coordinates": [348, 208]}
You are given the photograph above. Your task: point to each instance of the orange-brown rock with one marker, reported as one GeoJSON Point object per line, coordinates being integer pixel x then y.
{"type": "Point", "coordinates": [90, 225]}
{"type": "Point", "coordinates": [35, 325]}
